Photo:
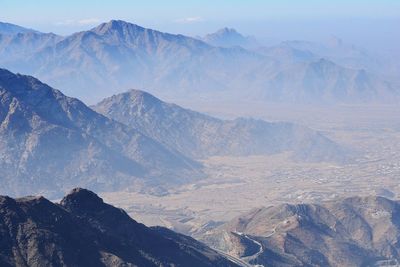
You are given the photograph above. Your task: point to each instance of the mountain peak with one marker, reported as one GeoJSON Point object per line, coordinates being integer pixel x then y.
{"type": "Point", "coordinates": [133, 97]}
{"type": "Point", "coordinates": [116, 26]}
{"type": "Point", "coordinates": [120, 23]}
{"type": "Point", "coordinates": [228, 37]}
{"type": "Point", "coordinates": [81, 199]}
{"type": "Point", "coordinates": [225, 33]}
{"type": "Point", "coordinates": [139, 94]}
{"type": "Point", "coordinates": [227, 30]}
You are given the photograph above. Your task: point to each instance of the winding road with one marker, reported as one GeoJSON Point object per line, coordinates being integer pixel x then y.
{"type": "Point", "coordinates": [238, 261]}
{"type": "Point", "coordinates": [261, 249]}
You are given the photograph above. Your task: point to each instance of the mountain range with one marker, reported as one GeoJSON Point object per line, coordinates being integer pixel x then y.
{"type": "Point", "coordinates": [51, 142]}
{"type": "Point", "coordinates": [82, 230]}
{"type": "Point", "coordinates": [196, 135]}
{"type": "Point", "coordinates": [347, 55]}
{"type": "Point", "coordinates": [118, 55]}
{"type": "Point", "coordinates": [356, 231]}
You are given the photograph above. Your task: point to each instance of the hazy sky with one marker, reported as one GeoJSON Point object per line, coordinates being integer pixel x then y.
{"type": "Point", "coordinates": [353, 20]}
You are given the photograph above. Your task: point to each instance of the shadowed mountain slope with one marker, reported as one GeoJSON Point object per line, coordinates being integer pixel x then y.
{"type": "Point", "coordinates": [84, 231]}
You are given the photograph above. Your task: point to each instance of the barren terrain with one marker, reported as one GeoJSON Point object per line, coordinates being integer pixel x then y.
{"type": "Point", "coordinates": [238, 184]}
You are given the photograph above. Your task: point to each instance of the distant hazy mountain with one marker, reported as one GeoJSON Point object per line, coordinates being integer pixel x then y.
{"type": "Point", "coordinates": [347, 55]}
{"type": "Point", "coordinates": [335, 49]}
{"type": "Point", "coordinates": [49, 142]}
{"type": "Point", "coordinates": [16, 49]}
{"type": "Point", "coordinates": [358, 231]}
{"type": "Point", "coordinates": [8, 28]}
{"type": "Point", "coordinates": [285, 54]}
{"type": "Point", "coordinates": [228, 37]}
{"type": "Point", "coordinates": [84, 231]}
{"type": "Point", "coordinates": [119, 55]}
{"type": "Point", "coordinates": [197, 135]}
{"type": "Point", "coordinates": [96, 63]}
{"type": "Point", "coordinates": [323, 80]}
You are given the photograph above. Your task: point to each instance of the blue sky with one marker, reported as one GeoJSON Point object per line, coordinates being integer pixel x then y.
{"type": "Point", "coordinates": [267, 19]}
{"type": "Point", "coordinates": [55, 13]}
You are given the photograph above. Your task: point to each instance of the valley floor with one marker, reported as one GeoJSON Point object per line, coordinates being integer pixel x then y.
{"type": "Point", "coordinates": [238, 184]}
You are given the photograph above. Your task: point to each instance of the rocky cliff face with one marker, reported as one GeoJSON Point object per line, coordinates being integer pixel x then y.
{"type": "Point", "coordinates": [84, 231]}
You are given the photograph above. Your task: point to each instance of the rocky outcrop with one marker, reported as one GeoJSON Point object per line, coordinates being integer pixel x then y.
{"type": "Point", "coordinates": [84, 231]}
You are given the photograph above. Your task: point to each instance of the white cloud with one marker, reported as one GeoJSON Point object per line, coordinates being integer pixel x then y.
{"type": "Point", "coordinates": [88, 21]}
{"type": "Point", "coordinates": [71, 22]}
{"type": "Point", "coordinates": [189, 20]}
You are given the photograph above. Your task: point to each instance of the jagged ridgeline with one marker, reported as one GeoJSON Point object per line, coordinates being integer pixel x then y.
{"type": "Point", "coordinates": [84, 231]}
{"type": "Point", "coordinates": [117, 55]}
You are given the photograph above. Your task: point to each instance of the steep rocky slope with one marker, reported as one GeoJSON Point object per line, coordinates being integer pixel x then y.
{"type": "Point", "coordinates": [49, 142]}
{"type": "Point", "coordinates": [84, 231]}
